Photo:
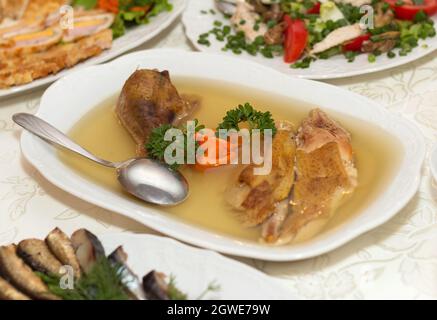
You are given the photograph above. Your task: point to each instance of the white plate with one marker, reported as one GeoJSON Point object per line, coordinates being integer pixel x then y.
{"type": "Point", "coordinates": [433, 162]}
{"type": "Point", "coordinates": [70, 98]}
{"type": "Point", "coordinates": [197, 23]}
{"type": "Point", "coordinates": [195, 268]}
{"type": "Point", "coordinates": [134, 37]}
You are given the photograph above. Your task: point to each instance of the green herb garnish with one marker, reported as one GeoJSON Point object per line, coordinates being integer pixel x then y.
{"type": "Point", "coordinates": [237, 42]}
{"type": "Point", "coordinates": [411, 32]}
{"type": "Point", "coordinates": [350, 55]}
{"type": "Point", "coordinates": [271, 24]}
{"type": "Point", "coordinates": [302, 64]}
{"type": "Point", "coordinates": [246, 113]}
{"type": "Point", "coordinates": [103, 282]}
{"type": "Point", "coordinates": [157, 144]}
{"type": "Point", "coordinates": [212, 287]}
{"type": "Point", "coordinates": [118, 27]}
{"type": "Point", "coordinates": [391, 54]}
{"type": "Point", "coordinates": [173, 292]}
{"type": "Point", "coordinates": [329, 53]}
{"type": "Point", "coordinates": [127, 17]}
{"type": "Point", "coordinates": [420, 16]}
{"type": "Point", "coordinates": [86, 4]}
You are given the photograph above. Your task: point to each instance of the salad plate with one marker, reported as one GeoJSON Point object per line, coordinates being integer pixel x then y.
{"type": "Point", "coordinates": [78, 98]}
{"type": "Point", "coordinates": [134, 37]}
{"type": "Point", "coordinates": [201, 17]}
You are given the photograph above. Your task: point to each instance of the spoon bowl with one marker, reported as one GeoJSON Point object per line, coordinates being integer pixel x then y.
{"type": "Point", "coordinates": [152, 181]}
{"type": "Point", "coordinates": [146, 179]}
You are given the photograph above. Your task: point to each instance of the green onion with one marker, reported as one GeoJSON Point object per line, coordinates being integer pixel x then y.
{"type": "Point", "coordinates": [350, 55]}
{"type": "Point", "coordinates": [391, 54]}
{"type": "Point", "coordinates": [303, 64]}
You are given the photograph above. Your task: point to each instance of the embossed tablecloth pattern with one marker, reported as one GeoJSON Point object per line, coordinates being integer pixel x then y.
{"type": "Point", "coordinates": [396, 260]}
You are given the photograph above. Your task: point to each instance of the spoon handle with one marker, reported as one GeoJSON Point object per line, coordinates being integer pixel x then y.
{"type": "Point", "coordinates": [52, 135]}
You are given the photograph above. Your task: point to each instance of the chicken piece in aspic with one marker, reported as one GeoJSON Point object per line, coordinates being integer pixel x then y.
{"type": "Point", "coordinates": [325, 174]}
{"type": "Point", "coordinates": [246, 12]}
{"type": "Point", "coordinates": [148, 100]}
{"type": "Point", "coordinates": [256, 196]}
{"type": "Point", "coordinates": [320, 172]}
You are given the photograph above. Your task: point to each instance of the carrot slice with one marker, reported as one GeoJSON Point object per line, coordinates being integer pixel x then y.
{"type": "Point", "coordinates": [213, 160]}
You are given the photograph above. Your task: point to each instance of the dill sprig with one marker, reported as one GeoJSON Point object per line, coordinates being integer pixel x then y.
{"type": "Point", "coordinates": [246, 113]}
{"type": "Point", "coordinates": [212, 287]}
{"type": "Point", "coordinates": [173, 292]}
{"type": "Point", "coordinates": [103, 282]}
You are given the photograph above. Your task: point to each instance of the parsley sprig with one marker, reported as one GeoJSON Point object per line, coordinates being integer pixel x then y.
{"type": "Point", "coordinates": [246, 113]}
{"type": "Point", "coordinates": [157, 144]}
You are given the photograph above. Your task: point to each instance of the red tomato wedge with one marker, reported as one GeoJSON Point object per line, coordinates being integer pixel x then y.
{"type": "Point", "coordinates": [296, 38]}
{"type": "Point", "coordinates": [356, 44]}
{"type": "Point", "coordinates": [314, 9]}
{"type": "Point", "coordinates": [408, 10]}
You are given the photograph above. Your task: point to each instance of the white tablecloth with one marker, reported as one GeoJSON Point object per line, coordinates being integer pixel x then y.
{"type": "Point", "coordinates": [396, 260]}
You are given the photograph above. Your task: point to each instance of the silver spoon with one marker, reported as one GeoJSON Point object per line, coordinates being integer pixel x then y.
{"type": "Point", "coordinates": [144, 178]}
